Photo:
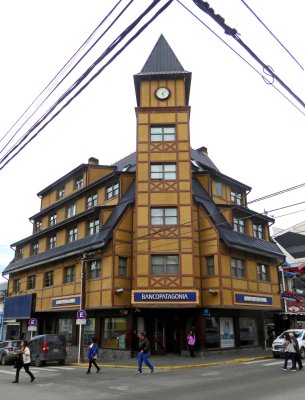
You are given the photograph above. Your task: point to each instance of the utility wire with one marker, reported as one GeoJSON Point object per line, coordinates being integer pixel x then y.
{"type": "Point", "coordinates": [87, 72]}
{"type": "Point", "coordinates": [277, 193]}
{"type": "Point", "coordinates": [281, 208]}
{"type": "Point", "coordinates": [265, 26]}
{"type": "Point", "coordinates": [53, 84]}
{"type": "Point", "coordinates": [205, 7]}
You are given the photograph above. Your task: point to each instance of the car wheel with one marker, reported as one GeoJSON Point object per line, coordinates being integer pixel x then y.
{"type": "Point", "coordinates": [3, 360]}
{"type": "Point", "coordinates": [61, 362]}
{"type": "Point", "coordinates": [38, 362]}
{"type": "Point", "coordinates": [302, 352]}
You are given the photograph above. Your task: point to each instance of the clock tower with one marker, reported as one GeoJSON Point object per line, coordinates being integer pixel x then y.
{"type": "Point", "coordinates": [164, 241]}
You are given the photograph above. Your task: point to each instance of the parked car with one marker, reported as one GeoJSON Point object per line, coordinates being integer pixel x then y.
{"type": "Point", "coordinates": [49, 347]}
{"type": "Point", "coordinates": [8, 350]}
{"type": "Point", "coordinates": [278, 344]}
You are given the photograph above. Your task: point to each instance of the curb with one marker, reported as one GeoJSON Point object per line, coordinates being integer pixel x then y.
{"type": "Point", "coordinates": [173, 367]}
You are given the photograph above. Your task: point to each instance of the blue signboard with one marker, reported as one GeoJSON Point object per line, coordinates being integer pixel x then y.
{"type": "Point", "coordinates": [246, 298]}
{"type": "Point", "coordinates": [165, 297]}
{"type": "Point", "coordinates": [65, 302]}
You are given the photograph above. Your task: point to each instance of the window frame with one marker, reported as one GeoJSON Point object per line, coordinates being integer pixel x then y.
{"type": "Point", "coordinates": [72, 234]}
{"type": "Point", "coordinates": [69, 274]}
{"type": "Point", "coordinates": [163, 217]}
{"type": "Point", "coordinates": [162, 174]}
{"type": "Point", "coordinates": [236, 197]}
{"type": "Point", "coordinates": [95, 226]}
{"type": "Point", "coordinates": [78, 182]}
{"type": "Point", "coordinates": [38, 226]}
{"type": "Point", "coordinates": [34, 248]}
{"type": "Point", "coordinates": [258, 233]}
{"type": "Point", "coordinates": [122, 266]}
{"type": "Point", "coordinates": [165, 264]}
{"type": "Point", "coordinates": [113, 190]}
{"type": "Point", "coordinates": [163, 134]}
{"type": "Point", "coordinates": [235, 269]}
{"type": "Point", "coordinates": [53, 219]}
{"type": "Point", "coordinates": [60, 192]}
{"type": "Point", "coordinates": [31, 282]}
{"type": "Point", "coordinates": [52, 242]}
{"type": "Point", "coordinates": [94, 273]}
{"type": "Point", "coordinates": [17, 285]}
{"type": "Point", "coordinates": [210, 268]}
{"type": "Point", "coordinates": [218, 188]}
{"type": "Point", "coordinates": [48, 279]}
{"type": "Point", "coordinates": [92, 200]}
{"type": "Point", "coordinates": [239, 225]}
{"type": "Point", "coordinates": [263, 276]}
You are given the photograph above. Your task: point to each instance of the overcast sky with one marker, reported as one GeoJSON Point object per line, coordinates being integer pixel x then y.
{"type": "Point", "coordinates": [252, 133]}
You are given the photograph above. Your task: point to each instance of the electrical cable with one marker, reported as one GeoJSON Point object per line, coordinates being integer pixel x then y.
{"type": "Point", "coordinates": [87, 72]}
{"type": "Point", "coordinates": [281, 208]}
{"type": "Point", "coordinates": [256, 16]}
{"type": "Point", "coordinates": [62, 70]}
{"type": "Point", "coordinates": [268, 196]}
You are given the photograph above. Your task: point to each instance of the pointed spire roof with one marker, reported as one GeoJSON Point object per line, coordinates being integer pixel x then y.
{"type": "Point", "coordinates": [162, 63]}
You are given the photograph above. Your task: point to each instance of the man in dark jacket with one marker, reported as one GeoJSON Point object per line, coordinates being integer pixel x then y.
{"type": "Point", "coordinates": [143, 353]}
{"type": "Point", "coordinates": [297, 349]}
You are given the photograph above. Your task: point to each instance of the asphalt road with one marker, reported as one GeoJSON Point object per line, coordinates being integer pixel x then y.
{"type": "Point", "coordinates": [259, 380]}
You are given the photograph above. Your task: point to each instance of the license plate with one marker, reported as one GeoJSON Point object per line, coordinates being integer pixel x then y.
{"type": "Point", "coordinates": [55, 350]}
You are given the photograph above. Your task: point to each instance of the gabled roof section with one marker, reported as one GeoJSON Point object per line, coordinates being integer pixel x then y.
{"type": "Point", "coordinates": [89, 243]}
{"type": "Point", "coordinates": [162, 63]}
{"type": "Point", "coordinates": [227, 234]}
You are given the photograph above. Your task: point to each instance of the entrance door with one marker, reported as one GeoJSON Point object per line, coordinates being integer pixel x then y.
{"type": "Point", "coordinates": [159, 336]}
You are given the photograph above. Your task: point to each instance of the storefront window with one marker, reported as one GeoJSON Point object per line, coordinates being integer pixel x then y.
{"type": "Point", "coordinates": [114, 334]}
{"type": "Point", "coordinates": [248, 332]}
{"type": "Point", "coordinates": [212, 333]}
{"type": "Point", "coordinates": [65, 328]}
{"type": "Point", "coordinates": [89, 330]}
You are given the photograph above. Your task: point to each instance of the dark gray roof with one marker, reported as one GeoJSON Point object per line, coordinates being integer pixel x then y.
{"type": "Point", "coordinates": [227, 234]}
{"type": "Point", "coordinates": [293, 243]}
{"type": "Point", "coordinates": [162, 63]}
{"type": "Point", "coordinates": [89, 243]}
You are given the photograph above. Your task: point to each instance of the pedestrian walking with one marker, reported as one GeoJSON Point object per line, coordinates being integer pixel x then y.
{"type": "Point", "coordinates": [191, 340]}
{"type": "Point", "coordinates": [92, 355]}
{"type": "Point", "coordinates": [297, 350]}
{"type": "Point", "coordinates": [290, 352]}
{"type": "Point", "coordinates": [23, 361]}
{"type": "Point", "coordinates": [143, 354]}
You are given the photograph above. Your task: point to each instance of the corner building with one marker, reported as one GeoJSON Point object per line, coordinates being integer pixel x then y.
{"type": "Point", "coordinates": [160, 241]}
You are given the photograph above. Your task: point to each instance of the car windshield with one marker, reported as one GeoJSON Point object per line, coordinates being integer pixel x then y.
{"type": "Point", "coordinates": [297, 334]}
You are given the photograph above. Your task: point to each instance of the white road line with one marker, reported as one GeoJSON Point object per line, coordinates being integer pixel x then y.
{"type": "Point", "coordinates": [44, 369]}
{"type": "Point", "coordinates": [210, 374]}
{"type": "Point", "coordinates": [7, 372]}
{"type": "Point", "coordinates": [252, 362]}
{"type": "Point", "coordinates": [273, 363]}
{"type": "Point", "coordinates": [67, 368]}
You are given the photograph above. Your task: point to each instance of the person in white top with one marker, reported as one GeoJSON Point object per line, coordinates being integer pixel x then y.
{"type": "Point", "coordinates": [23, 361]}
{"type": "Point", "coordinates": [290, 352]}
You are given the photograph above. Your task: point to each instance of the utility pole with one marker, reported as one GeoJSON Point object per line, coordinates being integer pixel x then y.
{"type": "Point", "coordinates": [82, 307]}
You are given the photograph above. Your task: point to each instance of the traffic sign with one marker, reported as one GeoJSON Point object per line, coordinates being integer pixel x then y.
{"type": "Point", "coordinates": [32, 322]}
{"type": "Point", "coordinates": [32, 328]}
{"type": "Point", "coordinates": [81, 322]}
{"type": "Point", "coordinates": [81, 314]}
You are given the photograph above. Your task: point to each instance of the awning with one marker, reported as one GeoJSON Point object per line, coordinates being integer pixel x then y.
{"type": "Point", "coordinates": [292, 295]}
{"type": "Point", "coordinates": [19, 306]}
{"type": "Point", "coordinates": [298, 268]}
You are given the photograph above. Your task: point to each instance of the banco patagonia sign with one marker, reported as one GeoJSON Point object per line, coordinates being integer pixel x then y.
{"type": "Point", "coordinates": [255, 299]}
{"type": "Point", "coordinates": [165, 297]}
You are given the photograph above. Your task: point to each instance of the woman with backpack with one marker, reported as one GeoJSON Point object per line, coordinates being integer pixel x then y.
{"type": "Point", "coordinates": [23, 361]}
{"type": "Point", "coordinates": [290, 352]}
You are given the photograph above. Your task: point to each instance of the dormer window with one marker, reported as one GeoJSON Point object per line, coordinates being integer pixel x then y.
{"type": "Point", "coordinates": [19, 253]}
{"type": "Point", "coordinates": [60, 192]}
{"type": "Point", "coordinates": [38, 226]}
{"type": "Point", "coordinates": [258, 231]}
{"type": "Point", "coordinates": [112, 191]}
{"type": "Point", "coordinates": [79, 182]}
{"type": "Point", "coordinates": [238, 225]}
{"type": "Point", "coordinates": [236, 197]}
{"type": "Point", "coordinates": [53, 219]}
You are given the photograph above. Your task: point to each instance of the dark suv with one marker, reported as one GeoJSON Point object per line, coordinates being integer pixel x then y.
{"type": "Point", "coordinates": [45, 348]}
{"type": "Point", "coordinates": [8, 350]}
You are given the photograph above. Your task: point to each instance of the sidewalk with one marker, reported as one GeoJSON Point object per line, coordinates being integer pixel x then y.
{"type": "Point", "coordinates": [172, 361]}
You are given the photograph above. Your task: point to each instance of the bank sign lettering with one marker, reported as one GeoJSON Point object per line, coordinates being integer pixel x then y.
{"type": "Point", "coordinates": [243, 298]}
{"type": "Point", "coordinates": [165, 297]}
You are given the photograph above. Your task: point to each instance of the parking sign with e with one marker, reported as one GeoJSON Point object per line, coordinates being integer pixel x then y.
{"type": "Point", "coordinates": [81, 314]}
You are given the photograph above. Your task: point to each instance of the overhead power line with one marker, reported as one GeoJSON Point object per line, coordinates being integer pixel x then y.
{"type": "Point", "coordinates": [265, 26]}
{"type": "Point", "coordinates": [205, 7]}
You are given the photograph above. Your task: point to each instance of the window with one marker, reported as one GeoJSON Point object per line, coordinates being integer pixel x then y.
{"type": "Point", "coordinates": [236, 197]}
{"type": "Point", "coordinates": [163, 171]}
{"type": "Point", "coordinates": [122, 266]}
{"type": "Point", "coordinates": [35, 248]}
{"type": "Point", "coordinates": [162, 133]}
{"type": "Point", "coordinates": [52, 219]}
{"type": "Point", "coordinates": [262, 272]}
{"type": "Point", "coordinates": [48, 279]}
{"type": "Point", "coordinates": [65, 328]}
{"type": "Point", "coordinates": [17, 284]}
{"type": "Point", "coordinates": [112, 191]}
{"type": "Point", "coordinates": [114, 332]}
{"type": "Point", "coordinates": [238, 225]}
{"type": "Point", "coordinates": [210, 265]}
{"type": "Point", "coordinates": [93, 226]}
{"type": "Point", "coordinates": [60, 192]}
{"type": "Point", "coordinates": [52, 242]}
{"type": "Point", "coordinates": [164, 216]}
{"type": "Point", "coordinates": [19, 253]}
{"type": "Point", "coordinates": [248, 332]}
{"type": "Point", "coordinates": [218, 189]}
{"type": "Point", "coordinates": [92, 200]}
{"type": "Point", "coordinates": [72, 234]}
{"type": "Point", "coordinates": [165, 265]}
{"type": "Point", "coordinates": [89, 331]}
{"type": "Point", "coordinates": [71, 210]}
{"type": "Point", "coordinates": [258, 231]}
{"type": "Point", "coordinates": [94, 269]}
{"type": "Point", "coordinates": [31, 283]}
{"type": "Point", "coordinates": [238, 267]}
{"type": "Point", "coordinates": [69, 274]}
{"type": "Point", "coordinates": [38, 226]}
{"type": "Point", "coordinates": [79, 182]}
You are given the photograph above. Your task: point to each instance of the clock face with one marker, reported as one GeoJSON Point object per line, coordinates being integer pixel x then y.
{"type": "Point", "coordinates": [162, 93]}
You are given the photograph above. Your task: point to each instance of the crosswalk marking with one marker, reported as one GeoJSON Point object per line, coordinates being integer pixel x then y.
{"type": "Point", "coordinates": [7, 372]}
{"type": "Point", "coordinates": [252, 362]}
{"type": "Point", "coordinates": [43, 369]}
{"type": "Point", "coordinates": [273, 363]}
